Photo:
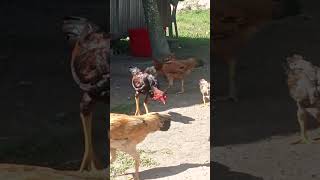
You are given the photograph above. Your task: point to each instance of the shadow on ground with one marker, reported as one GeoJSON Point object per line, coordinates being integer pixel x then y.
{"type": "Point", "coordinates": [168, 171]}
{"type": "Point", "coordinates": [183, 119]}
{"type": "Point", "coordinates": [223, 172]}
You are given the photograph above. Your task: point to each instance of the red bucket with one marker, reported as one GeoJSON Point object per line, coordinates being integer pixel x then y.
{"type": "Point", "coordinates": [139, 43]}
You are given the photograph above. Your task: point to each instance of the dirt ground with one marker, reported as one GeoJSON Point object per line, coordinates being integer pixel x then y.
{"type": "Point", "coordinates": [184, 151]}
{"type": "Point", "coordinates": [252, 137]}
{"type": "Point", "coordinates": [39, 107]}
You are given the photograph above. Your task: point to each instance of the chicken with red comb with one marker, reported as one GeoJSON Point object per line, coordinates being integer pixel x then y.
{"type": "Point", "coordinates": [147, 84]}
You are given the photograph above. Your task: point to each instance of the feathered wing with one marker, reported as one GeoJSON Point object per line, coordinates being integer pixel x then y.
{"type": "Point", "coordinates": [126, 127]}
{"type": "Point", "coordinates": [174, 67]}
{"type": "Point", "coordinates": [152, 81]}
{"type": "Point", "coordinates": [90, 68]}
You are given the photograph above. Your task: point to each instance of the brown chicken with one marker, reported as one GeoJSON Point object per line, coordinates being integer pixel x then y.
{"type": "Point", "coordinates": [175, 69]}
{"type": "Point", "coordinates": [235, 22]}
{"type": "Point", "coordinates": [90, 70]}
{"type": "Point", "coordinates": [128, 131]}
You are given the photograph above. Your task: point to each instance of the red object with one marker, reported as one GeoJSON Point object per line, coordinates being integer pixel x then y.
{"type": "Point", "coordinates": [140, 43]}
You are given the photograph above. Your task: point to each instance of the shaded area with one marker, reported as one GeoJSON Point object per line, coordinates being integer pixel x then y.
{"type": "Point", "coordinates": [39, 99]}
{"type": "Point", "coordinates": [223, 172]}
{"type": "Point", "coordinates": [265, 108]}
{"type": "Point", "coordinates": [10, 171]}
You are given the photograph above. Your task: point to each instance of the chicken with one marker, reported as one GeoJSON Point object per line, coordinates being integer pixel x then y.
{"type": "Point", "coordinates": [147, 84]}
{"type": "Point", "coordinates": [90, 70]}
{"type": "Point", "coordinates": [128, 131]}
{"type": "Point", "coordinates": [151, 70]}
{"type": "Point", "coordinates": [174, 69]}
{"type": "Point", "coordinates": [205, 90]}
{"type": "Point", "coordinates": [235, 22]}
{"type": "Point", "coordinates": [303, 82]}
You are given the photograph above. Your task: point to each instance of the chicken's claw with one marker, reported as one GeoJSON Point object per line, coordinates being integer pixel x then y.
{"type": "Point", "coordinates": [303, 141]}
{"type": "Point", "coordinates": [180, 92]}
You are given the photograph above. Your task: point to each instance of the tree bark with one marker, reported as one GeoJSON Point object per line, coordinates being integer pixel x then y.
{"type": "Point", "coordinates": [159, 43]}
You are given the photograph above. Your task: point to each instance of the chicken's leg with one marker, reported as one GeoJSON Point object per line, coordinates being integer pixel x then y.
{"type": "Point", "coordinates": [204, 100]}
{"type": "Point", "coordinates": [170, 84]}
{"type": "Point", "coordinates": [182, 87]}
{"type": "Point", "coordinates": [95, 164]}
{"type": "Point", "coordinates": [85, 159]}
{"type": "Point", "coordinates": [113, 155]}
{"type": "Point", "coordinates": [145, 104]}
{"type": "Point", "coordinates": [133, 152]}
{"type": "Point", "coordinates": [317, 140]}
{"type": "Point", "coordinates": [302, 117]}
{"type": "Point", "coordinates": [137, 104]}
{"type": "Point", "coordinates": [89, 161]}
{"type": "Point", "coordinates": [232, 94]}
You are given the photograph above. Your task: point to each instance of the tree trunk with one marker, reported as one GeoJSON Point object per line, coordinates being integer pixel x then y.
{"type": "Point", "coordinates": [159, 43]}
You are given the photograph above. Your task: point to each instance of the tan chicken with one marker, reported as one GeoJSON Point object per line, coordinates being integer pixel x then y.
{"type": "Point", "coordinates": [175, 69]}
{"type": "Point", "coordinates": [235, 22]}
{"type": "Point", "coordinates": [127, 131]}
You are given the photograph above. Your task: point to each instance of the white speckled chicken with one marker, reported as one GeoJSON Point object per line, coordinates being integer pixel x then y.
{"type": "Point", "coordinates": [303, 82]}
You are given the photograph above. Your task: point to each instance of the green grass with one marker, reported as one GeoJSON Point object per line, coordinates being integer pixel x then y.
{"type": "Point", "coordinates": [193, 29]}
{"type": "Point", "coordinates": [126, 108]}
{"type": "Point", "coordinates": [125, 162]}
{"type": "Point", "coordinates": [194, 24]}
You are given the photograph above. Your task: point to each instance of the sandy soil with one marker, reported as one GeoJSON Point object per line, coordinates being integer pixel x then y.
{"type": "Point", "coordinates": [187, 139]}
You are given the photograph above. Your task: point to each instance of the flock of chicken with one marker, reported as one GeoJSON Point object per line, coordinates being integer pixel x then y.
{"type": "Point", "coordinates": [90, 70]}
{"type": "Point", "coordinates": [126, 131]}
{"type": "Point", "coordinates": [235, 22]}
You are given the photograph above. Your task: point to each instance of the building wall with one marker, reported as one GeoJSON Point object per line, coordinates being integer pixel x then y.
{"type": "Point", "coordinates": [126, 14]}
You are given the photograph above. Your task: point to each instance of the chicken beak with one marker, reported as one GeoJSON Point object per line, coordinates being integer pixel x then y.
{"type": "Point", "coordinates": [163, 100]}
